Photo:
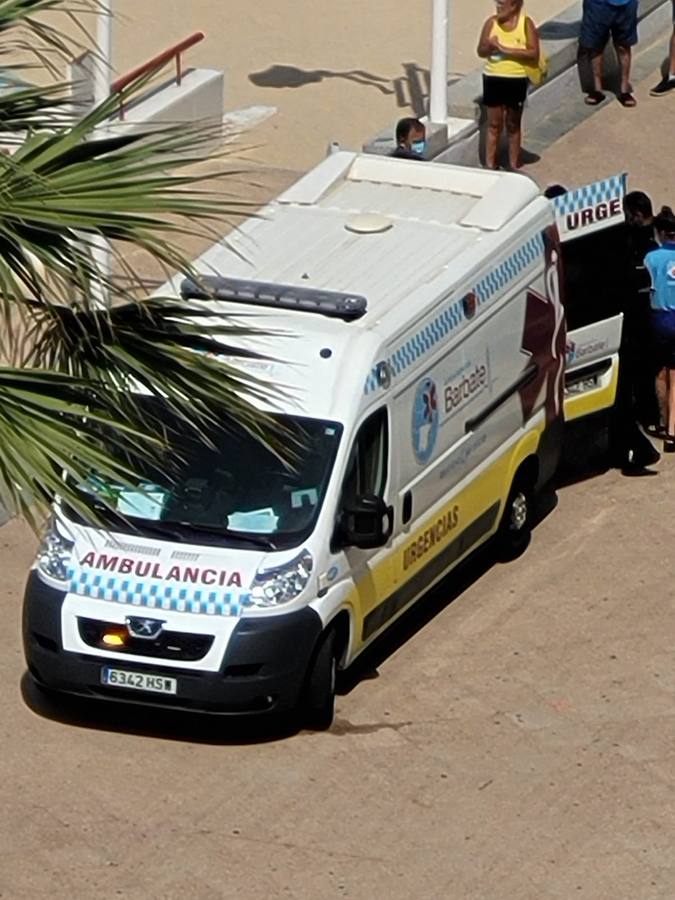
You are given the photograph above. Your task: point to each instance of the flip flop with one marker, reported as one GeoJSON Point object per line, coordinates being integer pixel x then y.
{"type": "Point", "coordinates": [594, 98]}
{"type": "Point", "coordinates": [627, 99]}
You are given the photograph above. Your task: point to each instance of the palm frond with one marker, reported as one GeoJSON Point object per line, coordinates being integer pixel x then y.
{"type": "Point", "coordinates": [50, 427]}
{"type": "Point", "coordinates": [26, 34]}
{"type": "Point", "coordinates": [60, 189]}
{"type": "Point", "coordinates": [181, 353]}
{"type": "Point", "coordinates": [26, 107]}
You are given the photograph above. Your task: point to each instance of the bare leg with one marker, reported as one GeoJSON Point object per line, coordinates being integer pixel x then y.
{"type": "Point", "coordinates": [495, 124]}
{"type": "Point", "coordinates": [596, 66]}
{"type": "Point", "coordinates": [624, 55]}
{"type": "Point", "coordinates": [514, 134]}
{"type": "Point", "coordinates": [662, 395]}
{"type": "Point", "coordinates": [671, 401]}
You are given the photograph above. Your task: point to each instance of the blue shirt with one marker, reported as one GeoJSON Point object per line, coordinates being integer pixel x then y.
{"type": "Point", "coordinates": [661, 267]}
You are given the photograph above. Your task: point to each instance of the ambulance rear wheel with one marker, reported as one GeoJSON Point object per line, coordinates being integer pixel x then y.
{"type": "Point", "coordinates": [318, 703]}
{"type": "Point", "coordinates": [515, 528]}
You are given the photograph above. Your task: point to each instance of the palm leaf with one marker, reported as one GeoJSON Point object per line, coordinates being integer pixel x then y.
{"type": "Point", "coordinates": [181, 353]}
{"type": "Point", "coordinates": [25, 107]}
{"type": "Point", "coordinates": [66, 186]}
{"type": "Point", "coordinates": [61, 189]}
{"type": "Point", "coordinates": [23, 32]}
{"type": "Point", "coordinates": [50, 425]}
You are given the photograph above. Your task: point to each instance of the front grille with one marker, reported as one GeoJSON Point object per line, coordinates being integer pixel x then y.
{"type": "Point", "coordinates": [176, 645]}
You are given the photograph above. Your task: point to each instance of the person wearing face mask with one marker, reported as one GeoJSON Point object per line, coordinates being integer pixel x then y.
{"type": "Point", "coordinates": [660, 264]}
{"type": "Point", "coordinates": [410, 139]}
{"type": "Point", "coordinates": [510, 45]}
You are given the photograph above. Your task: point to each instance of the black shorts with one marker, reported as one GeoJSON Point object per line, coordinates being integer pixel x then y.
{"type": "Point", "coordinates": [663, 337]}
{"type": "Point", "coordinates": [500, 91]}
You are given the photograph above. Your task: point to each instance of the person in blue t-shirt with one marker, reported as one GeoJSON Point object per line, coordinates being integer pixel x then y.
{"type": "Point", "coordinates": [660, 264]}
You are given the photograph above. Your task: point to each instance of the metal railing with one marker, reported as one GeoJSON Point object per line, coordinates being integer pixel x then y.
{"type": "Point", "coordinates": [156, 63]}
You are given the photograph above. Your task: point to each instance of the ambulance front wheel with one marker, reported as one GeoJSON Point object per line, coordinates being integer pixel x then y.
{"type": "Point", "coordinates": [318, 702]}
{"type": "Point", "coordinates": [515, 528]}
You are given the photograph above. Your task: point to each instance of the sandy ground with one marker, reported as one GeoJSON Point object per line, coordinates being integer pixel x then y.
{"type": "Point", "coordinates": [514, 741]}
{"type": "Point", "coordinates": [639, 141]}
{"type": "Point", "coordinates": [331, 70]}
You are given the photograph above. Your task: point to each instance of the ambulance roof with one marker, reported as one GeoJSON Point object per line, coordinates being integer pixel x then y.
{"type": "Point", "coordinates": [402, 234]}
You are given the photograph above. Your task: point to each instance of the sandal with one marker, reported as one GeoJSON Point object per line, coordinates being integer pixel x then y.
{"type": "Point", "coordinates": [627, 99]}
{"type": "Point", "coordinates": [594, 98]}
{"type": "Point", "coordinates": [657, 431]}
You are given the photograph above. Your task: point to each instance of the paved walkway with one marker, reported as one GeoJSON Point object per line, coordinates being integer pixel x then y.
{"type": "Point", "coordinates": [638, 141]}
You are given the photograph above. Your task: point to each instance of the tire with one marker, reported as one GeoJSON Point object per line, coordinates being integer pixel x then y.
{"type": "Point", "coordinates": [515, 528]}
{"type": "Point", "coordinates": [318, 702]}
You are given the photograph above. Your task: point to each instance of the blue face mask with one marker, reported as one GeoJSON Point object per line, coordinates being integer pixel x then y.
{"type": "Point", "coordinates": [419, 147]}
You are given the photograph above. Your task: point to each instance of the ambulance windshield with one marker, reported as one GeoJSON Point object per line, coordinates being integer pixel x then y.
{"type": "Point", "coordinates": [225, 488]}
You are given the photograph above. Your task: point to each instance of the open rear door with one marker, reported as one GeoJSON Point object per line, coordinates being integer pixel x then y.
{"type": "Point", "coordinates": [596, 288]}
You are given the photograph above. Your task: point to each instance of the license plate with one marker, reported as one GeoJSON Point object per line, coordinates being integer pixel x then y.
{"type": "Point", "coordinates": [139, 681]}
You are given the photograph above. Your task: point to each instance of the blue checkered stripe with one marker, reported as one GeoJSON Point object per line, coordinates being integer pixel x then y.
{"type": "Point", "coordinates": [453, 316]}
{"type": "Point", "coordinates": [171, 598]}
{"type": "Point", "coordinates": [590, 195]}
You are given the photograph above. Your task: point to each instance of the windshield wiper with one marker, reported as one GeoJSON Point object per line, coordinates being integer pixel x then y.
{"type": "Point", "coordinates": [114, 521]}
{"type": "Point", "coordinates": [258, 540]}
{"type": "Point", "coordinates": [152, 527]}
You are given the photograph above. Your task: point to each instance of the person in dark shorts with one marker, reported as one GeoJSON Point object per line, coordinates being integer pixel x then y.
{"type": "Point", "coordinates": [660, 264]}
{"type": "Point", "coordinates": [667, 83]}
{"type": "Point", "coordinates": [510, 45]}
{"type": "Point", "coordinates": [600, 20]}
{"type": "Point", "coordinates": [410, 139]}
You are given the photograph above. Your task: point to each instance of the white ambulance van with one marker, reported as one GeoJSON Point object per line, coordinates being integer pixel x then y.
{"type": "Point", "coordinates": [413, 336]}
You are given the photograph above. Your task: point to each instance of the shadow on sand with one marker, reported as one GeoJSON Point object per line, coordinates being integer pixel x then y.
{"type": "Point", "coordinates": [411, 88]}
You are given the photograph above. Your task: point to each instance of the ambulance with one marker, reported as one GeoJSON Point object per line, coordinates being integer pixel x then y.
{"type": "Point", "coordinates": [411, 340]}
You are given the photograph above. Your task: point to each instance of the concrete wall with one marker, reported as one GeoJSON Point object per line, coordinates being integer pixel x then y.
{"type": "Point", "coordinates": [200, 97]}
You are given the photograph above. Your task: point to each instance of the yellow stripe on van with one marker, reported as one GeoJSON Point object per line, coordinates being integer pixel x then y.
{"type": "Point", "coordinates": [480, 503]}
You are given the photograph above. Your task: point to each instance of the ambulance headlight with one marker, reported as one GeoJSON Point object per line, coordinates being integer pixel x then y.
{"type": "Point", "coordinates": [274, 587]}
{"type": "Point", "coordinates": [54, 554]}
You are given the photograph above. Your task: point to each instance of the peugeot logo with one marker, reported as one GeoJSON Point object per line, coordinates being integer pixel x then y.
{"type": "Point", "coordinates": [147, 629]}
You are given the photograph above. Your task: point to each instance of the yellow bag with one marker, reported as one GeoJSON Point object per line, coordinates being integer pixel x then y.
{"type": "Point", "coordinates": [538, 71]}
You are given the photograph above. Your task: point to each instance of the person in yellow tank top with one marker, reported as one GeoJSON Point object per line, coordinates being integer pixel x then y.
{"type": "Point", "coordinates": [510, 44]}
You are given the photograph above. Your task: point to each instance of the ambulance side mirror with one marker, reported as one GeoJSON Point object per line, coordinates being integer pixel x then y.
{"type": "Point", "coordinates": [365, 522]}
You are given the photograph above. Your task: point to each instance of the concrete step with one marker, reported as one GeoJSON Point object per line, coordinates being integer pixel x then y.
{"type": "Point", "coordinates": [570, 111]}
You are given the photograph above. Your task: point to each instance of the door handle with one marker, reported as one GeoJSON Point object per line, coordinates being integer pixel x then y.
{"type": "Point", "coordinates": [406, 512]}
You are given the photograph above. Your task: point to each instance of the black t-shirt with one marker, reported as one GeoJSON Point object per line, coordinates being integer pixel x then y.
{"type": "Point", "coordinates": [640, 242]}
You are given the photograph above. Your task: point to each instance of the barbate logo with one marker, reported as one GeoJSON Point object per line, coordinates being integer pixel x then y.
{"type": "Point", "coordinates": [424, 426]}
{"type": "Point", "coordinates": [460, 390]}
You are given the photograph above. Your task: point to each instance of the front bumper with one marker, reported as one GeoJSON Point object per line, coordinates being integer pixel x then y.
{"type": "Point", "coordinates": [263, 669]}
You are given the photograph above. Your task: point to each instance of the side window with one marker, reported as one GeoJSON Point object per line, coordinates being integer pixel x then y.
{"type": "Point", "coordinates": [367, 468]}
